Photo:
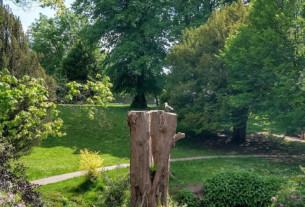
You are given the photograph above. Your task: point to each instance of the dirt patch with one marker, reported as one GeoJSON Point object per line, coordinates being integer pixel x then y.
{"type": "Point", "coordinates": [196, 190]}
{"type": "Point", "coordinates": [256, 143]}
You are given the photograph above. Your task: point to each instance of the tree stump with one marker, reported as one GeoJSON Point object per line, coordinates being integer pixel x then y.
{"type": "Point", "coordinates": [152, 135]}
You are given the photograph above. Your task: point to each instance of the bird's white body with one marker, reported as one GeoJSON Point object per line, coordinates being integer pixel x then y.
{"type": "Point", "coordinates": [168, 107]}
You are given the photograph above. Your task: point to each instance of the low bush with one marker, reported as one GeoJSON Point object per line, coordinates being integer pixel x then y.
{"type": "Point", "coordinates": [186, 197]}
{"type": "Point", "coordinates": [291, 194]}
{"type": "Point", "coordinates": [14, 187]}
{"type": "Point", "coordinates": [116, 194]}
{"type": "Point", "coordinates": [90, 161]}
{"type": "Point", "coordinates": [239, 188]}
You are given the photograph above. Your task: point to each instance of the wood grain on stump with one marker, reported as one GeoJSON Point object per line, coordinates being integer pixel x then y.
{"type": "Point", "coordinates": [152, 134]}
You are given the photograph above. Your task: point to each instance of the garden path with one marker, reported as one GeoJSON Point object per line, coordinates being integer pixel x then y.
{"type": "Point", "coordinates": [58, 178]}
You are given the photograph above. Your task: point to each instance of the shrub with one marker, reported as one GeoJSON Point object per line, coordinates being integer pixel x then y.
{"type": "Point", "coordinates": [239, 188]}
{"type": "Point", "coordinates": [291, 194]}
{"type": "Point", "coordinates": [10, 200]}
{"type": "Point", "coordinates": [187, 197]}
{"type": "Point", "coordinates": [116, 194]}
{"type": "Point", "coordinates": [90, 161]}
{"type": "Point", "coordinates": [14, 186]}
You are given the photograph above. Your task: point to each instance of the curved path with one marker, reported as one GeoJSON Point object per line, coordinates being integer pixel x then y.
{"type": "Point", "coordinates": [58, 178]}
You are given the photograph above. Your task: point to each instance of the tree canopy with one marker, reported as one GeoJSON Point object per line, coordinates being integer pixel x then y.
{"type": "Point", "coordinates": [197, 84]}
{"type": "Point", "coordinates": [54, 37]}
{"type": "Point", "coordinates": [138, 35]}
{"type": "Point", "coordinates": [257, 71]}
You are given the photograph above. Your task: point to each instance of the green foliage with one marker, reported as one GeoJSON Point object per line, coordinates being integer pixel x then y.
{"type": "Point", "coordinates": [186, 197]}
{"type": "Point", "coordinates": [54, 38]}
{"type": "Point", "coordinates": [197, 84]}
{"type": "Point", "coordinates": [93, 93]}
{"type": "Point", "coordinates": [54, 4]}
{"type": "Point", "coordinates": [10, 200]}
{"type": "Point", "coordinates": [292, 193]}
{"type": "Point", "coordinates": [15, 54]}
{"type": "Point", "coordinates": [239, 188]}
{"type": "Point", "coordinates": [24, 109]}
{"type": "Point", "coordinates": [139, 33]}
{"type": "Point", "coordinates": [80, 61]}
{"type": "Point", "coordinates": [14, 185]}
{"type": "Point", "coordinates": [116, 194]}
{"type": "Point", "coordinates": [263, 62]}
{"type": "Point", "coordinates": [90, 161]}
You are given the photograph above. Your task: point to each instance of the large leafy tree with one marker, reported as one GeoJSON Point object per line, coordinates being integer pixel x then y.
{"type": "Point", "coordinates": [136, 33]}
{"type": "Point", "coordinates": [139, 34]}
{"type": "Point", "coordinates": [263, 62]}
{"type": "Point", "coordinates": [197, 85]}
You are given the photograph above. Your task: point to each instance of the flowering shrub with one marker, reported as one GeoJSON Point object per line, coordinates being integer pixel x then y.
{"type": "Point", "coordinates": [10, 200]}
{"type": "Point", "coordinates": [292, 194]}
{"type": "Point", "coordinates": [90, 161]}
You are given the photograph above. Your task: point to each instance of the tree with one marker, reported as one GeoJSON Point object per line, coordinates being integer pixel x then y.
{"type": "Point", "coordinates": [80, 62]}
{"type": "Point", "coordinates": [136, 32]}
{"type": "Point", "coordinates": [15, 54]}
{"type": "Point", "coordinates": [139, 34]}
{"type": "Point", "coordinates": [263, 66]}
{"type": "Point", "coordinates": [54, 37]}
{"type": "Point", "coordinates": [55, 4]}
{"type": "Point", "coordinates": [197, 85]}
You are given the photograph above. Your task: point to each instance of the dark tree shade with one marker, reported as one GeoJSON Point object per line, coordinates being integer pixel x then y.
{"type": "Point", "coordinates": [15, 54]}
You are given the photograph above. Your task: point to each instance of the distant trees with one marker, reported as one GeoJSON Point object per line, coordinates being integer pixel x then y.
{"type": "Point", "coordinates": [264, 63]}
{"type": "Point", "coordinates": [197, 85]}
{"type": "Point", "coordinates": [59, 42]}
{"type": "Point", "coordinates": [15, 54]}
{"type": "Point", "coordinates": [257, 71]}
{"type": "Point", "coordinates": [138, 34]}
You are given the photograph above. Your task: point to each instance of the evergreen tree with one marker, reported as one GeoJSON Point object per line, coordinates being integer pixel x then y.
{"type": "Point", "coordinates": [80, 62]}
{"type": "Point", "coordinates": [53, 38]}
{"type": "Point", "coordinates": [15, 54]}
{"type": "Point", "coordinates": [197, 86]}
{"type": "Point", "coordinates": [263, 67]}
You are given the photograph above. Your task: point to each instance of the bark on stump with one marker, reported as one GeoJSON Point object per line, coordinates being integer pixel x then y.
{"type": "Point", "coordinates": [152, 135]}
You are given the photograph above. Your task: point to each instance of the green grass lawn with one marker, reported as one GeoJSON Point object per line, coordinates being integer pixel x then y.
{"type": "Point", "coordinates": [108, 134]}
{"type": "Point", "coordinates": [76, 191]}
{"type": "Point", "coordinates": [196, 171]}
{"type": "Point", "coordinates": [186, 173]}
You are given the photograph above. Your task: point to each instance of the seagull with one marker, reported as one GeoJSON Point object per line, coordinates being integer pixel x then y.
{"type": "Point", "coordinates": [168, 107]}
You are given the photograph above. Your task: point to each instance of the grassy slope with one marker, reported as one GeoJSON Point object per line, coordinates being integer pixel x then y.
{"type": "Point", "coordinates": [109, 134]}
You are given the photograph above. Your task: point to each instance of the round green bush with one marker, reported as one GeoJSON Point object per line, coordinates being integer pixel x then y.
{"type": "Point", "coordinates": [186, 197]}
{"type": "Point", "coordinates": [239, 188]}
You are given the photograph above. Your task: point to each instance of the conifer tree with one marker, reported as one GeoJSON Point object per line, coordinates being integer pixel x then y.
{"type": "Point", "coordinates": [15, 54]}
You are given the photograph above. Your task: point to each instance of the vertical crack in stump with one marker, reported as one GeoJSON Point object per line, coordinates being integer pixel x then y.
{"type": "Point", "coordinates": [152, 135]}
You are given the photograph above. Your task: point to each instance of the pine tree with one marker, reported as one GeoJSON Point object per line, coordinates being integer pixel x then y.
{"type": "Point", "coordinates": [15, 54]}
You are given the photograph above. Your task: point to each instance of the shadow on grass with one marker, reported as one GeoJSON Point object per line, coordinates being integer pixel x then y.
{"type": "Point", "coordinates": [107, 133]}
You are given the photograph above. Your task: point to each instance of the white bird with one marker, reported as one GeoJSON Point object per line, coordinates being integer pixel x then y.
{"type": "Point", "coordinates": [168, 107]}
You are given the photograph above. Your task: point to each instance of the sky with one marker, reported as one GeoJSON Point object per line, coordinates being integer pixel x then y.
{"type": "Point", "coordinates": [28, 16]}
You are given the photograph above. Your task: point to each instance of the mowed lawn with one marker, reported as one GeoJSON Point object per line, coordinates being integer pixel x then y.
{"type": "Point", "coordinates": [107, 134]}
{"type": "Point", "coordinates": [187, 173]}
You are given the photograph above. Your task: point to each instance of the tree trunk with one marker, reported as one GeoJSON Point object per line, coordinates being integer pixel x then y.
{"type": "Point", "coordinates": [152, 136]}
{"type": "Point", "coordinates": [239, 119]}
{"type": "Point", "coordinates": [139, 101]}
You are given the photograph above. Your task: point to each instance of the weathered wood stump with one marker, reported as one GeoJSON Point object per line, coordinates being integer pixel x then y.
{"type": "Point", "coordinates": [152, 135]}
